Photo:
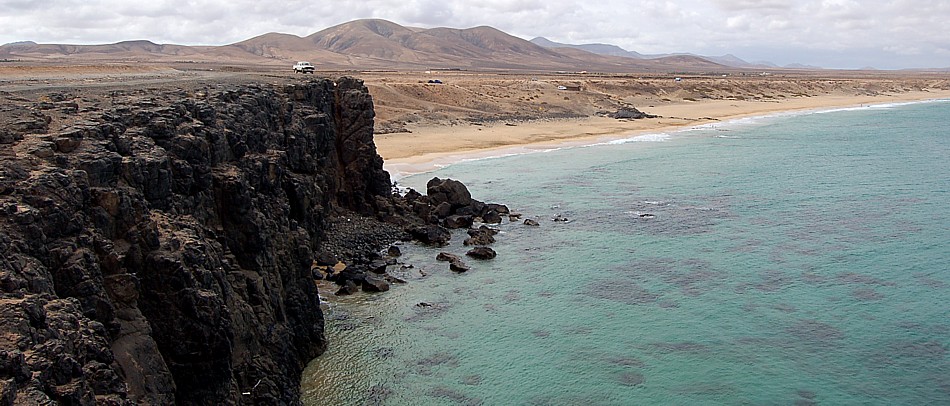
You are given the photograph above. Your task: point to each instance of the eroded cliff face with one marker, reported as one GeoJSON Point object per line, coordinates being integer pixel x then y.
{"type": "Point", "coordinates": [158, 249]}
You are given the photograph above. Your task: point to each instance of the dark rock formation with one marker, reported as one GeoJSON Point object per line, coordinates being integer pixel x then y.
{"type": "Point", "coordinates": [455, 262]}
{"type": "Point", "coordinates": [160, 246]}
{"type": "Point", "coordinates": [348, 288]}
{"type": "Point", "coordinates": [458, 266]}
{"type": "Point", "coordinates": [482, 253]}
{"type": "Point", "coordinates": [431, 234]}
{"type": "Point", "coordinates": [481, 236]}
{"type": "Point", "coordinates": [375, 284]}
{"type": "Point", "coordinates": [450, 202]}
{"type": "Point", "coordinates": [558, 218]}
{"type": "Point", "coordinates": [378, 266]}
{"type": "Point", "coordinates": [629, 113]}
{"type": "Point", "coordinates": [349, 274]}
{"type": "Point", "coordinates": [447, 257]}
{"type": "Point", "coordinates": [458, 221]}
{"type": "Point", "coordinates": [158, 249]}
{"type": "Point", "coordinates": [448, 191]}
{"type": "Point", "coordinates": [491, 217]}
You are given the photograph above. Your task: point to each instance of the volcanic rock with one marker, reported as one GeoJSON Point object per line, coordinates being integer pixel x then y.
{"type": "Point", "coordinates": [481, 236]}
{"type": "Point", "coordinates": [492, 217]}
{"type": "Point", "coordinates": [431, 234]}
{"type": "Point", "coordinates": [630, 113]}
{"type": "Point", "coordinates": [157, 249]}
{"type": "Point", "coordinates": [481, 253]}
{"type": "Point", "coordinates": [449, 191]}
{"type": "Point", "coordinates": [447, 257]}
{"type": "Point", "coordinates": [348, 288]}
{"type": "Point", "coordinates": [378, 266]}
{"type": "Point", "coordinates": [374, 284]}
{"type": "Point", "coordinates": [458, 266]}
{"type": "Point", "coordinates": [458, 221]}
{"type": "Point", "coordinates": [455, 262]}
{"type": "Point", "coordinates": [498, 208]}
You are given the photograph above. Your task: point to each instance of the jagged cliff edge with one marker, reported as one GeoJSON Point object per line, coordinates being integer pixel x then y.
{"type": "Point", "coordinates": [158, 251]}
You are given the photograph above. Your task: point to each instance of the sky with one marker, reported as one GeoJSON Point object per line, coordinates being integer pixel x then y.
{"type": "Point", "coordinates": [845, 34]}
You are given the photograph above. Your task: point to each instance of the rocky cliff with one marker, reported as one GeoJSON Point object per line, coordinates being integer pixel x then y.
{"type": "Point", "coordinates": [157, 245]}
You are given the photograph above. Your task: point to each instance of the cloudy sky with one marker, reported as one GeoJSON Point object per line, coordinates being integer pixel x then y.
{"type": "Point", "coordinates": [829, 33]}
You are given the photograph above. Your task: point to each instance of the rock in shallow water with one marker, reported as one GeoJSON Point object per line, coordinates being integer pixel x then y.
{"type": "Point", "coordinates": [431, 234]}
{"type": "Point", "coordinates": [458, 266]}
{"type": "Point", "coordinates": [374, 284]}
{"type": "Point", "coordinates": [348, 288]}
{"type": "Point", "coordinates": [482, 253]}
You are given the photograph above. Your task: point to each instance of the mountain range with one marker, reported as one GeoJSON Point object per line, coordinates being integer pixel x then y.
{"type": "Point", "coordinates": [379, 44]}
{"type": "Point", "coordinates": [613, 50]}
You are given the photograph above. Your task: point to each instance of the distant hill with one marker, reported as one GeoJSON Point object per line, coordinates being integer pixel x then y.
{"type": "Point", "coordinates": [600, 49]}
{"type": "Point", "coordinates": [731, 60]}
{"type": "Point", "coordinates": [813, 67]}
{"type": "Point", "coordinates": [378, 44]}
{"type": "Point", "coordinates": [613, 50]}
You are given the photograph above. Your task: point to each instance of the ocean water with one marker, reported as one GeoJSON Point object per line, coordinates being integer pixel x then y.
{"type": "Point", "coordinates": [793, 259]}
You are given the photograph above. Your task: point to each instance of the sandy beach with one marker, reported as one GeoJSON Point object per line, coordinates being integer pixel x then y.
{"type": "Point", "coordinates": [430, 146]}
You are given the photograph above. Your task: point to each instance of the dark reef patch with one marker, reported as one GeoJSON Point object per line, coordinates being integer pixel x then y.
{"type": "Point", "coordinates": [626, 361]}
{"type": "Point", "coordinates": [867, 295]}
{"type": "Point", "coordinates": [816, 333]}
{"type": "Point", "coordinates": [621, 290]}
{"type": "Point", "coordinates": [631, 379]}
{"type": "Point", "coordinates": [456, 396]}
{"type": "Point", "coordinates": [684, 347]}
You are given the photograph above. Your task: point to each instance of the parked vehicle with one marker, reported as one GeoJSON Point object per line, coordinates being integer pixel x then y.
{"type": "Point", "coordinates": [304, 67]}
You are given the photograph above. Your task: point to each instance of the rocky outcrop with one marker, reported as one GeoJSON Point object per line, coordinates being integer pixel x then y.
{"type": "Point", "coordinates": [483, 235]}
{"type": "Point", "coordinates": [630, 113]}
{"type": "Point", "coordinates": [157, 248]}
{"type": "Point", "coordinates": [482, 253]}
{"type": "Point", "coordinates": [455, 262]}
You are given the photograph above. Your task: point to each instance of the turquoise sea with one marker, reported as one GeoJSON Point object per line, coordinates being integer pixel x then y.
{"type": "Point", "coordinates": [794, 259]}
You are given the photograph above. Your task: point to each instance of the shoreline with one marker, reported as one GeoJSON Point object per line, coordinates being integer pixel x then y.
{"type": "Point", "coordinates": [431, 147]}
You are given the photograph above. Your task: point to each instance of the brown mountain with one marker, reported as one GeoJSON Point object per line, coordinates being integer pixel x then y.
{"type": "Point", "coordinates": [366, 44]}
{"type": "Point", "coordinates": [369, 38]}
{"type": "Point", "coordinates": [393, 45]}
{"type": "Point", "coordinates": [285, 48]}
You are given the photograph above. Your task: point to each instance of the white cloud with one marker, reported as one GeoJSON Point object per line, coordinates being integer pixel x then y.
{"type": "Point", "coordinates": [734, 5]}
{"type": "Point", "coordinates": [880, 29]}
{"type": "Point", "coordinates": [739, 22]}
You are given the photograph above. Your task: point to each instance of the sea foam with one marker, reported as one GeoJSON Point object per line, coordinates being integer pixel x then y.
{"type": "Point", "coordinates": [652, 137]}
